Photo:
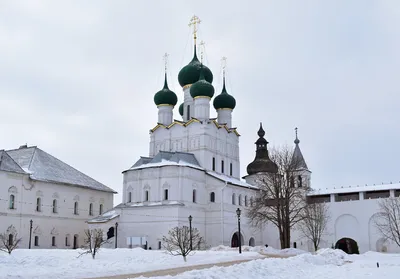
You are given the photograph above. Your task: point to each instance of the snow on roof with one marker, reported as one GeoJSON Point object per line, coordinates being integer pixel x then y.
{"type": "Point", "coordinates": [44, 167]}
{"type": "Point", "coordinates": [8, 164]}
{"type": "Point", "coordinates": [107, 216]}
{"type": "Point", "coordinates": [231, 180]}
{"type": "Point", "coordinates": [139, 204]}
{"type": "Point", "coordinates": [355, 189]}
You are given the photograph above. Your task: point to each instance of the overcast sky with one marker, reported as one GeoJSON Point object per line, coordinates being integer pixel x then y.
{"type": "Point", "coordinates": [77, 79]}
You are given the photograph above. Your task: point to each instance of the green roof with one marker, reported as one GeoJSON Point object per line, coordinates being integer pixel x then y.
{"type": "Point", "coordinates": [202, 88]}
{"type": "Point", "coordinates": [191, 72]}
{"type": "Point", "coordinates": [165, 96]}
{"type": "Point", "coordinates": [224, 100]}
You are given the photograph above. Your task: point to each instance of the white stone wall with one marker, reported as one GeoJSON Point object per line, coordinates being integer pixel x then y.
{"type": "Point", "coordinates": [47, 224]}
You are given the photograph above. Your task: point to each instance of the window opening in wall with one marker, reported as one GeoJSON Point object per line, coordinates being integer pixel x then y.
{"type": "Point", "coordinates": [101, 209]}
{"type": "Point", "coordinates": [188, 112]}
{"type": "Point", "coordinates": [146, 196]}
{"type": "Point", "coordinates": [194, 195]}
{"type": "Point", "coordinates": [251, 201]}
{"type": "Point", "coordinates": [159, 245]}
{"type": "Point", "coordinates": [233, 198]}
{"type": "Point", "coordinates": [36, 240]}
{"type": "Point", "coordinates": [222, 166]}
{"type": "Point", "coordinates": [53, 241]}
{"type": "Point", "coordinates": [245, 201]}
{"type": "Point", "coordinates": [12, 202]}
{"type": "Point", "coordinates": [240, 200]}
{"type": "Point", "coordinates": [300, 181]}
{"type": "Point", "coordinates": [67, 240]}
{"type": "Point", "coordinates": [230, 169]}
{"type": "Point", "coordinates": [10, 239]}
{"type": "Point", "coordinates": [212, 197]}
{"type": "Point", "coordinates": [165, 194]}
{"type": "Point", "coordinates": [213, 163]}
{"type": "Point", "coordinates": [38, 205]}
{"type": "Point", "coordinates": [130, 197]}
{"type": "Point", "coordinates": [54, 206]}
{"type": "Point", "coordinates": [91, 209]}
{"type": "Point", "coordinates": [76, 208]}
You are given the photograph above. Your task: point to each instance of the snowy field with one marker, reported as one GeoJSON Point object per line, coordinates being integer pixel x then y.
{"type": "Point", "coordinates": [327, 263]}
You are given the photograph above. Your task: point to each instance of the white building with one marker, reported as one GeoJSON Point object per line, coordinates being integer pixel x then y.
{"type": "Point", "coordinates": [56, 197]}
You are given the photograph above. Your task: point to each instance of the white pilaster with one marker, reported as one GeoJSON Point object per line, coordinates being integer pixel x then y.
{"type": "Point", "coordinates": [202, 108]}
{"type": "Point", "coordinates": [165, 115]}
{"type": "Point", "coordinates": [188, 104]}
{"type": "Point", "coordinates": [225, 117]}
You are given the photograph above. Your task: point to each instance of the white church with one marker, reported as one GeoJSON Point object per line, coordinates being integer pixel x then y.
{"type": "Point", "coordinates": [193, 169]}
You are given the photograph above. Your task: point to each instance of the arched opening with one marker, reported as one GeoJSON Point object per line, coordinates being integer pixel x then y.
{"type": "Point", "coordinates": [235, 240]}
{"type": "Point", "coordinates": [130, 197]}
{"type": "Point", "coordinates": [76, 241]}
{"type": "Point", "coordinates": [246, 203]}
{"type": "Point", "coordinates": [76, 208]}
{"type": "Point", "coordinates": [194, 196]}
{"type": "Point", "coordinates": [53, 241]}
{"type": "Point", "coordinates": [38, 205]}
{"type": "Point", "coordinates": [146, 196]}
{"type": "Point", "coordinates": [12, 202]}
{"type": "Point", "coordinates": [166, 194]}
{"type": "Point", "coordinates": [212, 197]}
{"type": "Point", "coordinates": [110, 232]}
{"type": "Point", "coordinates": [10, 239]}
{"type": "Point", "coordinates": [91, 209]}
{"type": "Point", "coordinates": [347, 245]}
{"type": "Point", "coordinates": [36, 240]}
{"type": "Point", "coordinates": [101, 209]}
{"type": "Point", "coordinates": [233, 198]}
{"type": "Point", "coordinates": [251, 242]}
{"type": "Point", "coordinates": [54, 206]}
{"type": "Point", "coordinates": [240, 200]}
{"type": "Point", "coordinates": [67, 240]}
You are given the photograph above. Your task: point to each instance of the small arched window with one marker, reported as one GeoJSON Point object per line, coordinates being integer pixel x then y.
{"type": "Point", "coordinates": [194, 196]}
{"type": "Point", "coordinates": [12, 202]}
{"type": "Point", "coordinates": [38, 204]}
{"type": "Point", "coordinates": [53, 241]}
{"type": "Point", "coordinates": [240, 200]}
{"type": "Point", "coordinates": [188, 112]}
{"type": "Point", "coordinates": [166, 194]}
{"type": "Point", "coordinates": [91, 209]}
{"type": "Point", "coordinates": [300, 181]}
{"type": "Point", "coordinates": [67, 241]}
{"type": "Point", "coordinates": [36, 240]}
{"type": "Point", "coordinates": [245, 201]}
{"type": "Point", "coordinates": [76, 208]}
{"type": "Point", "coordinates": [10, 240]}
{"type": "Point", "coordinates": [101, 209]}
{"type": "Point", "coordinates": [212, 197]}
{"type": "Point", "coordinates": [146, 195]}
{"type": "Point", "coordinates": [54, 206]}
{"type": "Point", "coordinates": [129, 196]}
{"type": "Point", "coordinates": [233, 198]}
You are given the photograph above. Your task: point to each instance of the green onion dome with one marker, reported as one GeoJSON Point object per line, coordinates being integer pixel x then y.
{"type": "Point", "coordinates": [181, 109]}
{"type": "Point", "coordinates": [165, 96]}
{"type": "Point", "coordinates": [224, 100]}
{"type": "Point", "coordinates": [202, 88]}
{"type": "Point", "coordinates": [191, 72]}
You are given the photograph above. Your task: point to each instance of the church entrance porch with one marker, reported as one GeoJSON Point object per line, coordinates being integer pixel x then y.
{"type": "Point", "coordinates": [347, 245]}
{"type": "Point", "coordinates": [235, 240]}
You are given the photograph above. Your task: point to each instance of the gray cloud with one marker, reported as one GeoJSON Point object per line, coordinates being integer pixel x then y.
{"type": "Point", "coordinates": [78, 79]}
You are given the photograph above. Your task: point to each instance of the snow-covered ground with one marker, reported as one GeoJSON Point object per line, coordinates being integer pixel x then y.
{"type": "Point", "coordinates": [59, 263]}
{"type": "Point", "coordinates": [327, 263]}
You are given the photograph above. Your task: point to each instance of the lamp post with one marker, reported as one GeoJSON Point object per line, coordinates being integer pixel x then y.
{"type": "Point", "coordinates": [30, 233]}
{"type": "Point", "coordinates": [240, 235]}
{"type": "Point", "coordinates": [190, 231]}
{"type": "Point", "coordinates": [116, 234]}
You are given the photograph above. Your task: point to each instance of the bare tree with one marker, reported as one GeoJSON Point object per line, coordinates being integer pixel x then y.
{"type": "Point", "coordinates": [9, 240]}
{"type": "Point", "coordinates": [281, 199]}
{"type": "Point", "coordinates": [314, 223]}
{"type": "Point", "coordinates": [93, 242]}
{"type": "Point", "coordinates": [177, 243]}
{"type": "Point", "coordinates": [387, 221]}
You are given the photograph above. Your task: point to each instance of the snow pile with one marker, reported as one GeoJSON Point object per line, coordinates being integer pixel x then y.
{"type": "Point", "coordinates": [333, 256]}
{"type": "Point", "coordinates": [262, 249]}
{"type": "Point", "coordinates": [244, 248]}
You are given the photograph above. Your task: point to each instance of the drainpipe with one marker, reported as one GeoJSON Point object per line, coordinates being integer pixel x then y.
{"type": "Point", "coordinates": [222, 213]}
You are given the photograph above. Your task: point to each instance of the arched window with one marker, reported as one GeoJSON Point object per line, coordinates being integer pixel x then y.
{"type": "Point", "coordinates": [245, 201]}
{"type": "Point", "coordinates": [12, 202]}
{"type": "Point", "coordinates": [54, 206]}
{"type": "Point", "coordinates": [213, 163]}
{"type": "Point", "coordinates": [36, 240]}
{"type": "Point", "coordinates": [212, 197]}
{"type": "Point", "coordinates": [300, 181]}
{"type": "Point", "coordinates": [194, 195]}
{"type": "Point", "coordinates": [188, 113]}
{"type": "Point", "coordinates": [10, 239]}
{"type": "Point", "coordinates": [130, 197]}
{"type": "Point", "coordinates": [101, 209]}
{"type": "Point", "coordinates": [233, 198]}
{"type": "Point", "coordinates": [240, 200]}
{"type": "Point", "coordinates": [166, 194]}
{"type": "Point", "coordinates": [53, 241]}
{"type": "Point", "coordinates": [91, 209]}
{"type": "Point", "coordinates": [67, 240]}
{"type": "Point", "coordinates": [230, 169]}
{"type": "Point", "coordinates": [222, 166]}
{"type": "Point", "coordinates": [38, 204]}
{"type": "Point", "coordinates": [146, 195]}
{"type": "Point", "coordinates": [76, 208]}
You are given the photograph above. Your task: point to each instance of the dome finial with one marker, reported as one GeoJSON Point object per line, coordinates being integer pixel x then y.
{"type": "Point", "coordinates": [194, 21]}
{"type": "Point", "coordinates": [201, 45]}
{"type": "Point", "coordinates": [261, 132]}
{"type": "Point", "coordinates": [223, 62]}
{"type": "Point", "coordinates": [296, 141]}
{"type": "Point", "coordinates": [165, 70]}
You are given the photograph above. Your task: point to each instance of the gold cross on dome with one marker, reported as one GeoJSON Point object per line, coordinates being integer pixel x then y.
{"type": "Point", "coordinates": [202, 44]}
{"type": "Point", "coordinates": [223, 63]}
{"type": "Point", "coordinates": [165, 56]}
{"type": "Point", "coordinates": [194, 21]}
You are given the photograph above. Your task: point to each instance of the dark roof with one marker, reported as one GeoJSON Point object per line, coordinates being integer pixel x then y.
{"type": "Point", "coordinates": [8, 164]}
{"type": "Point", "coordinates": [44, 167]}
{"type": "Point", "coordinates": [298, 158]}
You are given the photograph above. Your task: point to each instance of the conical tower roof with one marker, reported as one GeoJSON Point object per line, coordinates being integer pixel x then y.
{"type": "Point", "coordinates": [298, 158]}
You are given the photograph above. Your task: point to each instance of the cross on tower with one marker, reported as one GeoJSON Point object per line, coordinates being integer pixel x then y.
{"type": "Point", "coordinates": [194, 21]}
{"type": "Point", "coordinates": [202, 44]}
{"type": "Point", "coordinates": [165, 57]}
{"type": "Point", "coordinates": [223, 63]}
